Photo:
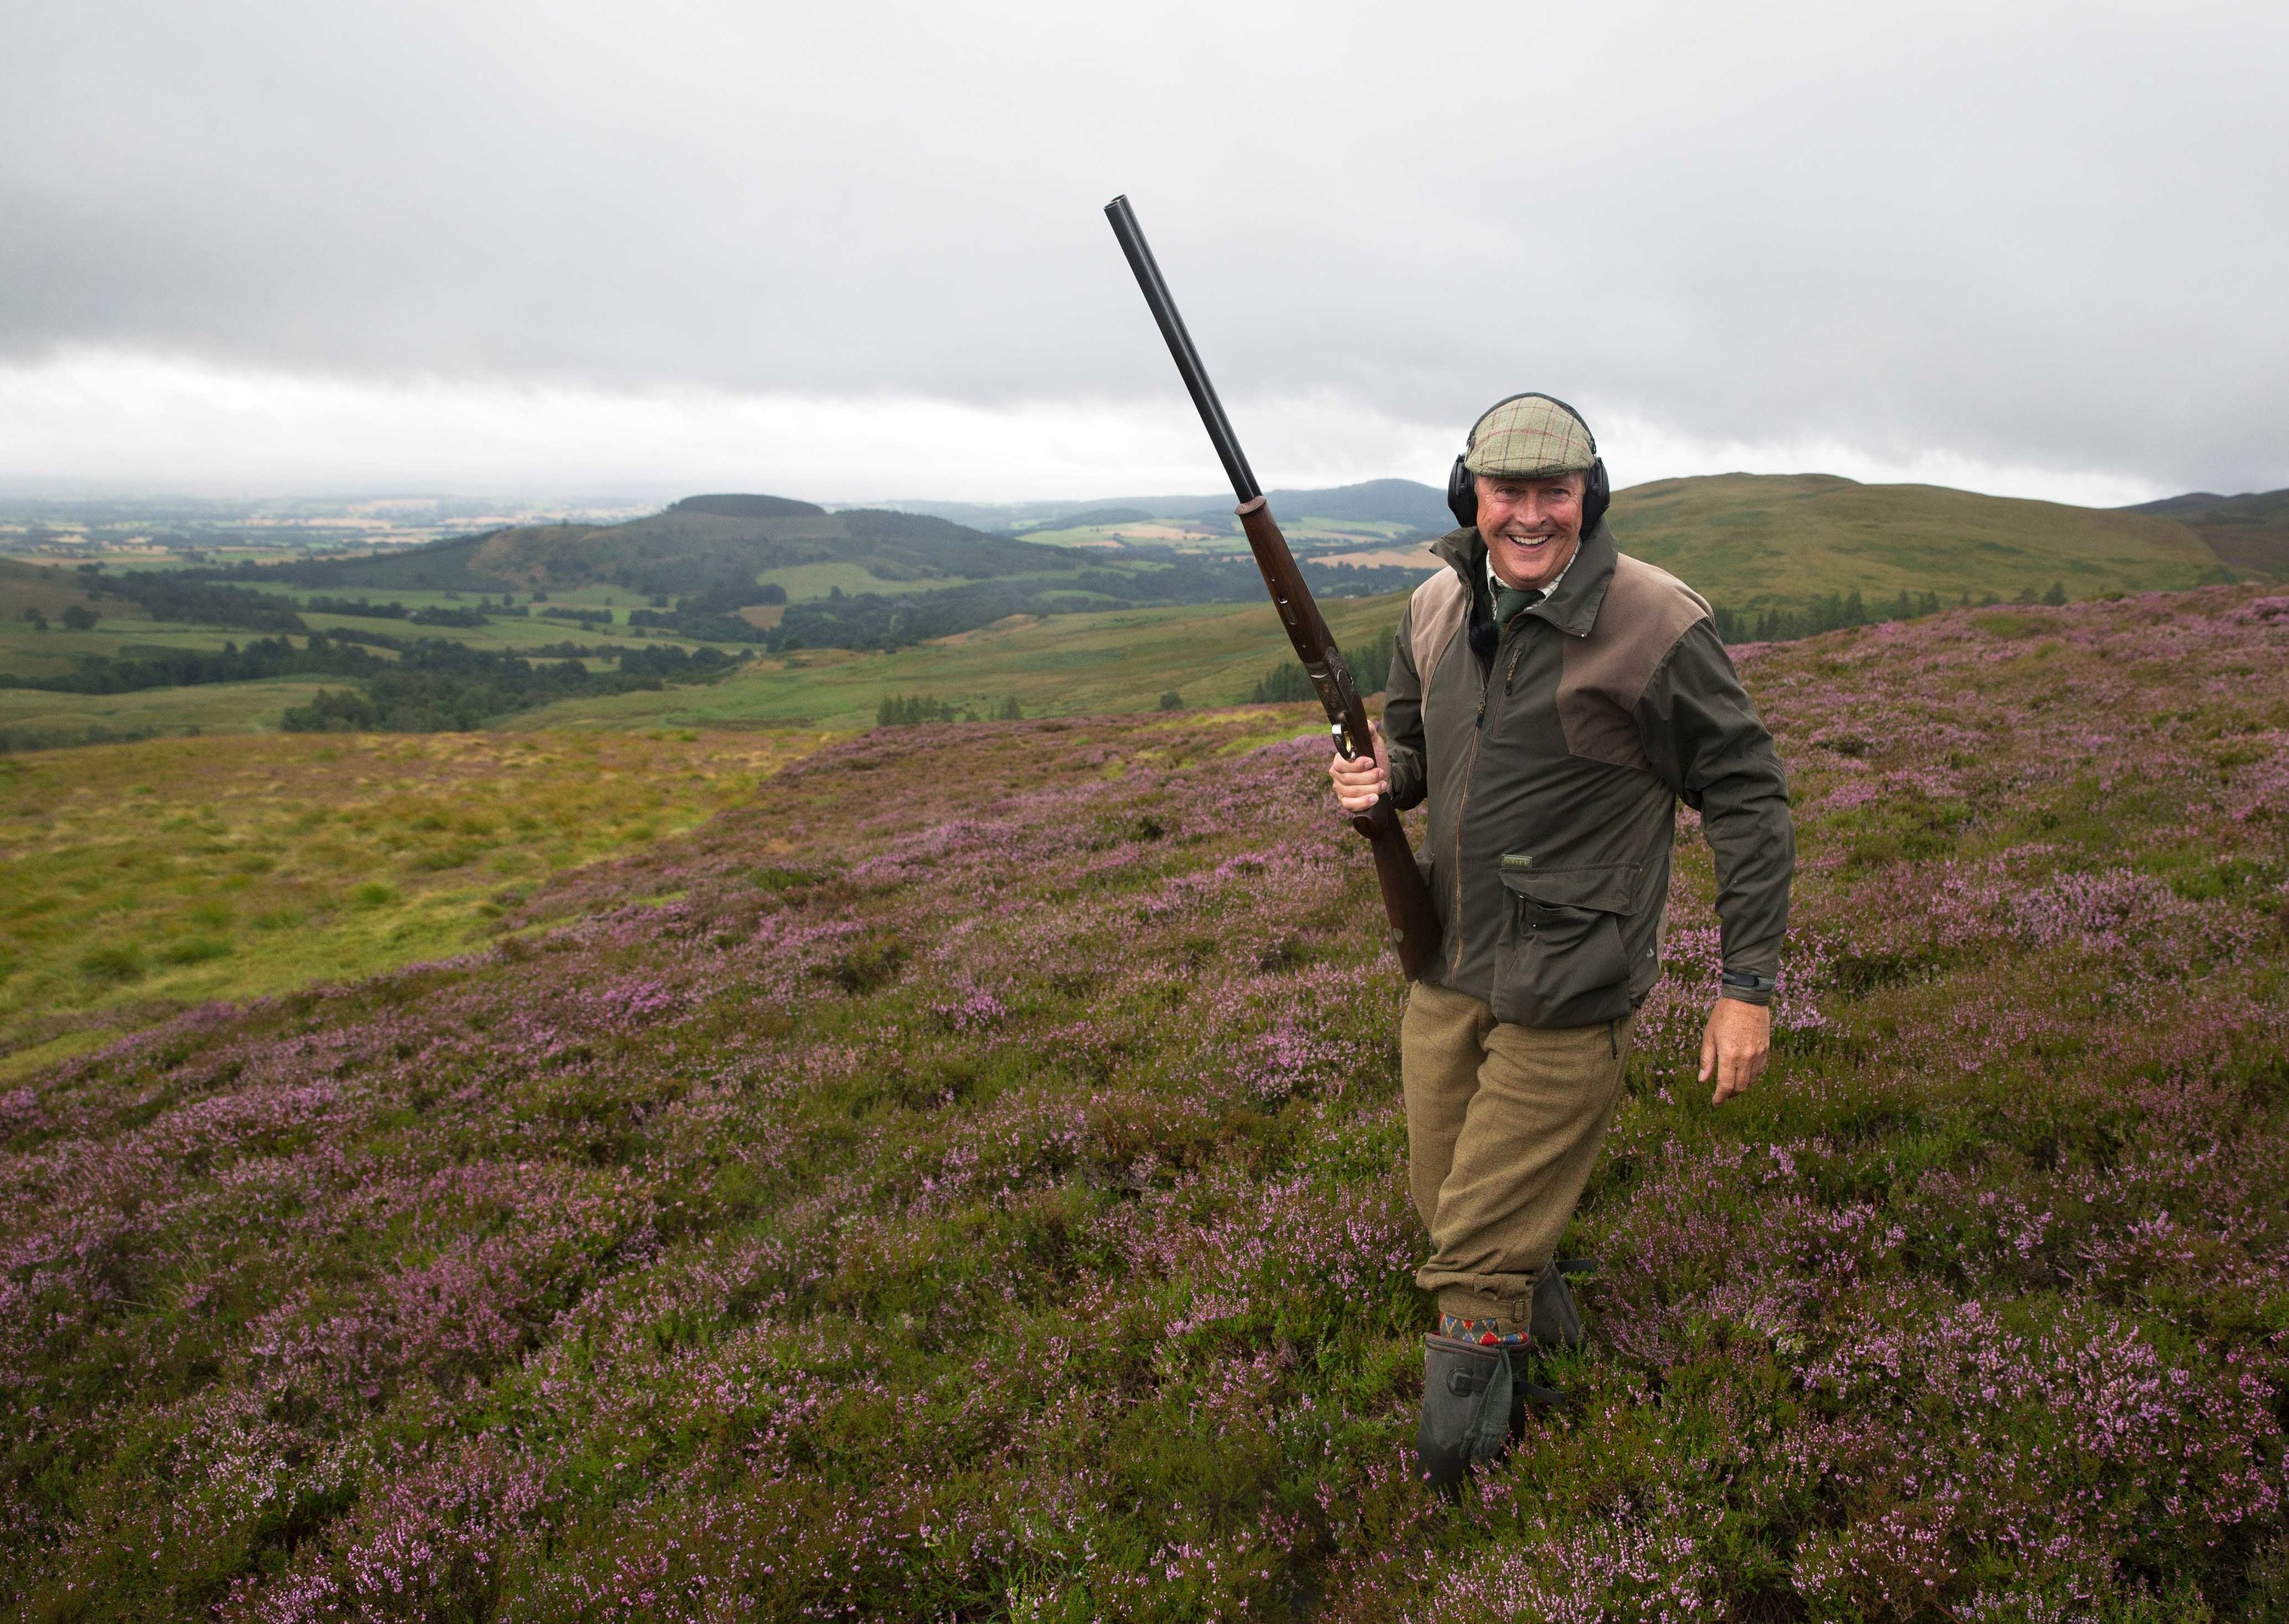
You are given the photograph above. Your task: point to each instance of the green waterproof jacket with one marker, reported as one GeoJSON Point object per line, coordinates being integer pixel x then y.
{"type": "Point", "coordinates": [1553, 754]}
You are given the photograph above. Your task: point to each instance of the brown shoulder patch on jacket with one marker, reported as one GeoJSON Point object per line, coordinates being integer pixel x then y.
{"type": "Point", "coordinates": [1602, 676]}
{"type": "Point", "coordinates": [1434, 614]}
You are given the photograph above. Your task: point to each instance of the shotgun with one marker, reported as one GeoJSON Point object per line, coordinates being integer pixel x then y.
{"type": "Point", "coordinates": [1406, 899]}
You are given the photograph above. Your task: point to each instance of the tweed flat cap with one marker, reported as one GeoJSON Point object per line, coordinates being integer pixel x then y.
{"type": "Point", "coordinates": [1530, 439]}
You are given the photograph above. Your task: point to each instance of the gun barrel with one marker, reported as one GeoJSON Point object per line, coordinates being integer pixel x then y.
{"type": "Point", "coordinates": [1180, 346]}
{"type": "Point", "coordinates": [1406, 899]}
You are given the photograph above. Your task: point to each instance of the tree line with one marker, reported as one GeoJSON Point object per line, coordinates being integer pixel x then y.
{"type": "Point", "coordinates": [1286, 683]}
{"type": "Point", "coordinates": [432, 684]}
{"type": "Point", "coordinates": [1836, 612]}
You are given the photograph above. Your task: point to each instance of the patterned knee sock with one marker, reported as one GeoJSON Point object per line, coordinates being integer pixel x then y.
{"type": "Point", "coordinates": [1480, 1331]}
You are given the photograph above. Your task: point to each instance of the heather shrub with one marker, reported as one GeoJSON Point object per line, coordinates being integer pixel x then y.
{"type": "Point", "coordinates": [969, 1183]}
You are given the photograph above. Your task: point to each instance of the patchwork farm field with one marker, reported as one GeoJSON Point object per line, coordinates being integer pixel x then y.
{"type": "Point", "coordinates": [963, 1180]}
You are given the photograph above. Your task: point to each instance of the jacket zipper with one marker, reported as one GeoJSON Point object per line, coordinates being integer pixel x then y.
{"type": "Point", "coordinates": [1463, 807]}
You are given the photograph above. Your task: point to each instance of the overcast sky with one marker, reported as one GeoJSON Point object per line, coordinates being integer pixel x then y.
{"type": "Point", "coordinates": [852, 252]}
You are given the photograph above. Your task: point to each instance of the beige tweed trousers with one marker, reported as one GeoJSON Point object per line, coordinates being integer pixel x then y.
{"type": "Point", "coordinates": [1503, 1124]}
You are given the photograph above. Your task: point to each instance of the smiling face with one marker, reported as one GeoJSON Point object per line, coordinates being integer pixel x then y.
{"type": "Point", "coordinates": [1531, 526]}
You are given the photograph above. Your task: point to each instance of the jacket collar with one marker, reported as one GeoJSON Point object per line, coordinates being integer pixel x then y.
{"type": "Point", "coordinates": [1573, 608]}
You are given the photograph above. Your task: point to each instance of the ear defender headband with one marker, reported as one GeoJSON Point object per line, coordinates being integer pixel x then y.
{"type": "Point", "coordinates": [1462, 490]}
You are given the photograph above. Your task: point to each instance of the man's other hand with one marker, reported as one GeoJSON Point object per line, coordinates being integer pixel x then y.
{"type": "Point", "coordinates": [1735, 1046]}
{"type": "Point", "coordinates": [1362, 781]}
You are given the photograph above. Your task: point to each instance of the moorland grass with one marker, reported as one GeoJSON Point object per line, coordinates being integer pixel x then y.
{"type": "Point", "coordinates": [971, 1186]}
{"type": "Point", "coordinates": [42, 718]}
{"type": "Point", "coordinates": [1745, 539]}
{"type": "Point", "coordinates": [1067, 665]}
{"type": "Point", "coordinates": [143, 877]}
{"type": "Point", "coordinates": [1116, 662]}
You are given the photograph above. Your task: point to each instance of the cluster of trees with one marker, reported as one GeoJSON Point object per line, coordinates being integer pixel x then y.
{"type": "Point", "coordinates": [905, 710]}
{"type": "Point", "coordinates": [75, 617]}
{"type": "Point", "coordinates": [1286, 683]}
{"type": "Point", "coordinates": [358, 608]}
{"type": "Point", "coordinates": [440, 687]}
{"type": "Point", "coordinates": [266, 657]}
{"type": "Point", "coordinates": [187, 600]}
{"type": "Point", "coordinates": [432, 684]}
{"type": "Point", "coordinates": [712, 613]}
{"type": "Point", "coordinates": [1838, 610]}
{"type": "Point", "coordinates": [675, 664]}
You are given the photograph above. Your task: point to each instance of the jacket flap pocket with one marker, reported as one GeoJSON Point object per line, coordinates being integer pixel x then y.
{"type": "Point", "coordinates": [1607, 888]}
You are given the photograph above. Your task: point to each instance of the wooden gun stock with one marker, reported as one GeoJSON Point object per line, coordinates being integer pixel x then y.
{"type": "Point", "coordinates": [1406, 899]}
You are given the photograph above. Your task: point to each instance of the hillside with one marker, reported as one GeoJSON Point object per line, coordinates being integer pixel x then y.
{"type": "Point", "coordinates": [1093, 665]}
{"type": "Point", "coordinates": [695, 546]}
{"type": "Point", "coordinates": [965, 1180]}
{"type": "Point", "coordinates": [1407, 502]}
{"type": "Point", "coordinates": [1750, 540]}
{"type": "Point", "coordinates": [1114, 617]}
{"type": "Point", "coordinates": [49, 590]}
{"type": "Point", "coordinates": [2249, 532]}
{"type": "Point", "coordinates": [148, 878]}
{"type": "Point", "coordinates": [1745, 539]}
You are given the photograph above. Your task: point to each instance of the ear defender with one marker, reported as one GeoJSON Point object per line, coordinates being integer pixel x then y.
{"type": "Point", "coordinates": [1463, 488]}
{"type": "Point", "coordinates": [1596, 496]}
{"type": "Point", "coordinates": [1463, 494]}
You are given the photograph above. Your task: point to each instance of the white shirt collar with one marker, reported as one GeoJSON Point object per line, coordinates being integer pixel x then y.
{"type": "Point", "coordinates": [1496, 585]}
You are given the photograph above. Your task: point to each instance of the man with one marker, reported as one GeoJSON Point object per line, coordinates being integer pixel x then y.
{"type": "Point", "coordinates": [1552, 699]}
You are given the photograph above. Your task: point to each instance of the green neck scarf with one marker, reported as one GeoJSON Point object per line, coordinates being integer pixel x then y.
{"type": "Point", "coordinates": [1509, 600]}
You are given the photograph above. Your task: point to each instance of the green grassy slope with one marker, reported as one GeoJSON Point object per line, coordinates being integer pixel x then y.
{"type": "Point", "coordinates": [51, 590]}
{"type": "Point", "coordinates": [1068, 664]}
{"type": "Point", "coordinates": [2249, 532]}
{"type": "Point", "coordinates": [1109, 662]}
{"type": "Point", "coordinates": [1744, 540]}
{"type": "Point", "coordinates": [144, 878]}
{"type": "Point", "coordinates": [30, 718]}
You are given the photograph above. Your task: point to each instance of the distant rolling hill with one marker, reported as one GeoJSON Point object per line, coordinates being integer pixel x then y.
{"type": "Point", "coordinates": [1385, 501]}
{"type": "Point", "coordinates": [699, 545]}
{"type": "Point", "coordinates": [1390, 501]}
{"type": "Point", "coordinates": [1745, 540]}
{"type": "Point", "coordinates": [1752, 544]}
{"type": "Point", "coordinates": [1750, 540]}
{"type": "Point", "coordinates": [2249, 532]}
{"type": "Point", "coordinates": [1100, 515]}
{"type": "Point", "coordinates": [900, 578]}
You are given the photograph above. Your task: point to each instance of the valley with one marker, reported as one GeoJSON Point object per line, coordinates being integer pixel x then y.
{"type": "Point", "coordinates": [800, 616]}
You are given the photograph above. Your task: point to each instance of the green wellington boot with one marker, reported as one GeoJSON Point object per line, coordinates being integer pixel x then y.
{"type": "Point", "coordinates": [1556, 1323]}
{"type": "Point", "coordinates": [1555, 1326]}
{"type": "Point", "coordinates": [1466, 1405]}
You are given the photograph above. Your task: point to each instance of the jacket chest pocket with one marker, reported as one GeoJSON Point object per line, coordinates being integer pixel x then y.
{"type": "Point", "coordinates": [1561, 961]}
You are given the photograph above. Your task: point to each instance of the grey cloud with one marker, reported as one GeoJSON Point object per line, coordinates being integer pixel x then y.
{"type": "Point", "coordinates": [2051, 235]}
